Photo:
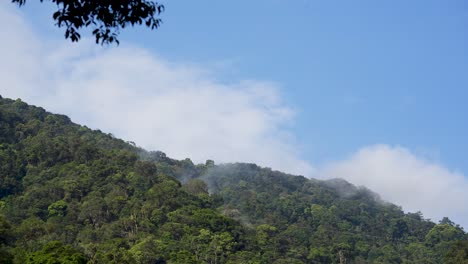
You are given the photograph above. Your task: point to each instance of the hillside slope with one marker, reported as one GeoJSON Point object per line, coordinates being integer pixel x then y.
{"type": "Point", "coordinates": [75, 195]}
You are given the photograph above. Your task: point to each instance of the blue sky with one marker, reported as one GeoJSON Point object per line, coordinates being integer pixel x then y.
{"type": "Point", "coordinates": [370, 91]}
{"type": "Point", "coordinates": [358, 73]}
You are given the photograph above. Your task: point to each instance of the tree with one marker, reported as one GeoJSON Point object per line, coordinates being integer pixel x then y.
{"type": "Point", "coordinates": [58, 208]}
{"type": "Point", "coordinates": [196, 187]}
{"type": "Point", "coordinates": [105, 17]}
{"type": "Point", "coordinates": [458, 253]}
{"type": "Point", "coordinates": [444, 233]}
{"type": "Point", "coordinates": [56, 252]}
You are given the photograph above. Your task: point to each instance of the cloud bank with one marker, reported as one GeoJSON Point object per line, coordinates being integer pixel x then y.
{"type": "Point", "coordinates": [180, 109]}
{"type": "Point", "coordinates": [401, 177]}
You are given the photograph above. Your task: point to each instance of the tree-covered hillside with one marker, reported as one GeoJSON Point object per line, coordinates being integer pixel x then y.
{"type": "Point", "coordinates": [69, 194]}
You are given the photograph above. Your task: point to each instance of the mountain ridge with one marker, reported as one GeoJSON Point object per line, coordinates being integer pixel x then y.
{"type": "Point", "coordinates": [77, 195]}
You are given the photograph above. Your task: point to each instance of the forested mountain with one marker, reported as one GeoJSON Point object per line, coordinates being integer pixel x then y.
{"type": "Point", "coordinates": [69, 194]}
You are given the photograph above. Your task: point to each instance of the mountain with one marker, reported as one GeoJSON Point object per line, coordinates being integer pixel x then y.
{"type": "Point", "coordinates": [69, 194]}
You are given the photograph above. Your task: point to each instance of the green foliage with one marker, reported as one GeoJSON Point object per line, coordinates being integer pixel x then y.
{"type": "Point", "coordinates": [457, 254]}
{"type": "Point", "coordinates": [69, 194]}
{"type": "Point", "coordinates": [58, 208]}
{"type": "Point", "coordinates": [106, 18]}
{"type": "Point", "coordinates": [443, 233]}
{"type": "Point", "coordinates": [56, 253]}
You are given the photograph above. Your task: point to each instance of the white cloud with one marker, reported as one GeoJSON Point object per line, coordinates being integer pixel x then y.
{"type": "Point", "coordinates": [401, 177]}
{"type": "Point", "coordinates": [179, 109]}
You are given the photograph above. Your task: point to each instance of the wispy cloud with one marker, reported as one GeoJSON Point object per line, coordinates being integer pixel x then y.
{"type": "Point", "coordinates": [181, 109]}
{"type": "Point", "coordinates": [403, 178]}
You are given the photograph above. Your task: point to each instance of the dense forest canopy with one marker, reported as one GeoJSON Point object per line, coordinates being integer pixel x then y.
{"type": "Point", "coordinates": [69, 194]}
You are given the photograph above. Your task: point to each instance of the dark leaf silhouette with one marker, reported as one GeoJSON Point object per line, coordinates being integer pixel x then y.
{"type": "Point", "coordinates": [106, 17]}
